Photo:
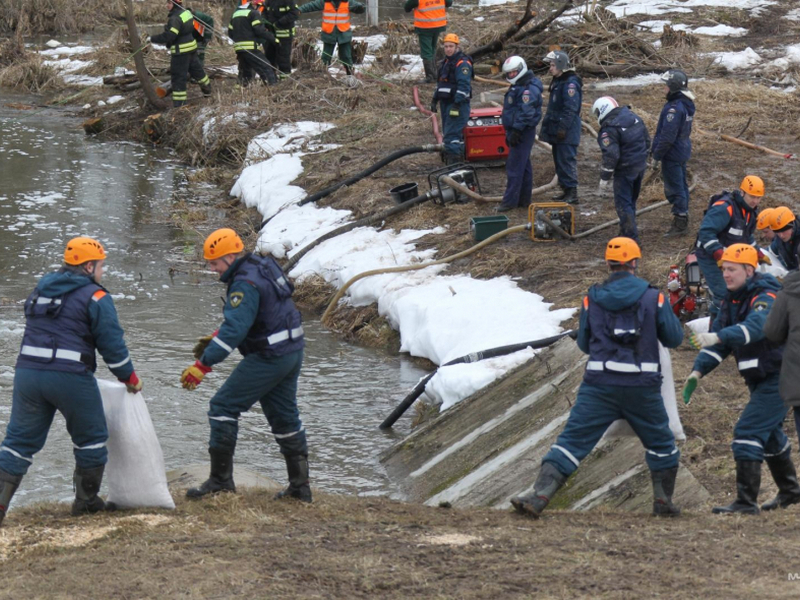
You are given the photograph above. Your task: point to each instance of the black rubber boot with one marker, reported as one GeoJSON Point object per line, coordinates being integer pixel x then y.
{"type": "Point", "coordinates": [547, 484]}
{"type": "Point", "coordinates": [452, 159]}
{"type": "Point", "coordinates": [748, 482]}
{"type": "Point", "coordinates": [297, 468]}
{"type": "Point", "coordinates": [221, 477]}
{"type": "Point", "coordinates": [785, 475]}
{"type": "Point", "coordinates": [571, 196]}
{"type": "Point", "coordinates": [87, 486]}
{"type": "Point", "coordinates": [663, 488]}
{"type": "Point", "coordinates": [560, 196]}
{"type": "Point", "coordinates": [206, 90]}
{"type": "Point", "coordinates": [430, 70]}
{"type": "Point", "coordinates": [680, 225]}
{"type": "Point", "coordinates": [8, 485]}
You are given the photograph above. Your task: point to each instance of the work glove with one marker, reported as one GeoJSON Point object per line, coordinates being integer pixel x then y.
{"type": "Point", "coordinates": [454, 112]}
{"type": "Point", "coordinates": [271, 38]}
{"type": "Point", "coordinates": [604, 186]}
{"type": "Point", "coordinates": [133, 383]}
{"type": "Point", "coordinates": [202, 344]}
{"type": "Point", "coordinates": [193, 376]}
{"type": "Point", "coordinates": [718, 256]}
{"type": "Point", "coordinates": [690, 386]}
{"type": "Point", "coordinates": [434, 106]}
{"type": "Point", "coordinates": [514, 137]}
{"type": "Point", "coordinates": [358, 10]}
{"type": "Point", "coordinates": [763, 259]}
{"type": "Point", "coordinates": [698, 341]}
{"type": "Point", "coordinates": [561, 135]}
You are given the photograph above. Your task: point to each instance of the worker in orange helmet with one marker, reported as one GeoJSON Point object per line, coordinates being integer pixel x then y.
{"type": "Point", "coordinates": [453, 93]}
{"type": "Point", "coordinates": [260, 320]}
{"type": "Point", "coordinates": [762, 224]}
{"type": "Point", "coordinates": [622, 322]}
{"type": "Point", "coordinates": [739, 330]}
{"type": "Point", "coordinates": [730, 219]}
{"type": "Point", "coordinates": [68, 317]}
{"type": "Point", "coordinates": [787, 236]}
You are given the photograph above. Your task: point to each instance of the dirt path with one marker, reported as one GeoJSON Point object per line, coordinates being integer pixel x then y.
{"type": "Point", "coordinates": [250, 546]}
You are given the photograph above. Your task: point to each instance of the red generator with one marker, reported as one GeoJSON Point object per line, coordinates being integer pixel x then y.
{"type": "Point", "coordinates": [484, 135]}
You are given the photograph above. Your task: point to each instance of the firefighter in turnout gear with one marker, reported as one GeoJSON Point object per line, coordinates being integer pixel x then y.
{"type": "Point", "coordinates": [730, 219]}
{"type": "Point", "coordinates": [624, 142]}
{"type": "Point", "coordinates": [68, 317]}
{"type": "Point", "coordinates": [453, 94]}
{"type": "Point", "coordinates": [739, 330]}
{"type": "Point", "coordinates": [336, 28]}
{"type": "Point", "coordinates": [248, 32]}
{"type": "Point", "coordinates": [621, 324]}
{"type": "Point", "coordinates": [561, 127]}
{"type": "Point", "coordinates": [260, 320]}
{"type": "Point", "coordinates": [672, 145]}
{"type": "Point", "coordinates": [282, 16]}
{"type": "Point", "coordinates": [430, 20]}
{"type": "Point", "coordinates": [179, 37]}
{"type": "Point", "coordinates": [522, 111]}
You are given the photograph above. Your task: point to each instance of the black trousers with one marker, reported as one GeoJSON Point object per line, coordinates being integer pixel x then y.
{"type": "Point", "coordinates": [254, 61]}
{"type": "Point", "coordinates": [181, 66]}
{"type": "Point", "coordinates": [281, 54]}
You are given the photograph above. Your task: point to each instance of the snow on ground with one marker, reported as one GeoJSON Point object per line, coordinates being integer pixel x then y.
{"type": "Point", "coordinates": [736, 60]}
{"type": "Point", "coordinates": [439, 318]}
{"type": "Point", "coordinates": [411, 67]}
{"type": "Point", "coordinates": [67, 50]}
{"type": "Point", "coordinates": [288, 137]}
{"type": "Point", "coordinates": [793, 15]}
{"type": "Point", "coordinates": [717, 30]}
{"type": "Point", "coordinates": [374, 42]}
{"type": "Point", "coordinates": [494, 2]}
{"type": "Point", "coordinates": [638, 81]}
{"type": "Point", "coordinates": [67, 67]}
{"type": "Point", "coordinates": [622, 8]}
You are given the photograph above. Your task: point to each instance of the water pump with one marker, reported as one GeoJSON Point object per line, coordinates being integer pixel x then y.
{"type": "Point", "coordinates": [686, 293]}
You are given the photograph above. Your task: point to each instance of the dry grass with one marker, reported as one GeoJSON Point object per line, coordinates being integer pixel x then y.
{"type": "Point", "coordinates": [59, 17]}
{"type": "Point", "coordinates": [22, 69]}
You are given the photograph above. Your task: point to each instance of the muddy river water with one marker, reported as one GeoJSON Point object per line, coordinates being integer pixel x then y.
{"type": "Point", "coordinates": [56, 184]}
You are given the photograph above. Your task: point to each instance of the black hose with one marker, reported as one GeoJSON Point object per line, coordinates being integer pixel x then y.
{"type": "Point", "coordinates": [370, 170]}
{"type": "Point", "coordinates": [368, 220]}
{"type": "Point", "coordinates": [469, 358]}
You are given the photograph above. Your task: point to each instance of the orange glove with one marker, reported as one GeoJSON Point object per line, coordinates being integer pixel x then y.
{"type": "Point", "coordinates": [133, 383]}
{"type": "Point", "coordinates": [718, 256]}
{"type": "Point", "coordinates": [193, 376]}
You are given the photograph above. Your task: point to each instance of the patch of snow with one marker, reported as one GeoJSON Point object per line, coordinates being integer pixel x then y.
{"type": "Point", "coordinates": [658, 26]}
{"type": "Point", "coordinates": [115, 99]}
{"type": "Point", "coordinates": [793, 15]}
{"type": "Point", "coordinates": [67, 50]}
{"type": "Point", "coordinates": [374, 42]}
{"type": "Point", "coordinates": [287, 137]}
{"type": "Point", "coordinates": [736, 60]}
{"type": "Point", "coordinates": [494, 2]}
{"type": "Point", "coordinates": [637, 81]}
{"type": "Point", "coordinates": [721, 30]}
{"type": "Point", "coordinates": [480, 19]}
{"type": "Point", "coordinates": [622, 8]}
{"type": "Point", "coordinates": [53, 44]}
{"type": "Point", "coordinates": [411, 67]}
{"type": "Point", "coordinates": [101, 103]}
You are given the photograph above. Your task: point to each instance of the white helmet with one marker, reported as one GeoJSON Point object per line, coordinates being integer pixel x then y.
{"type": "Point", "coordinates": [603, 106]}
{"type": "Point", "coordinates": [514, 63]}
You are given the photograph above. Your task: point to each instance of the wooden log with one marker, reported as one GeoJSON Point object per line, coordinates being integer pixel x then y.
{"type": "Point", "coordinates": [141, 69]}
{"type": "Point", "coordinates": [93, 126]}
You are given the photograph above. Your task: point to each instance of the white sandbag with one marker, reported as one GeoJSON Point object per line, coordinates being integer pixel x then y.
{"type": "Point", "coordinates": [701, 325]}
{"type": "Point", "coordinates": [621, 428]}
{"type": "Point", "coordinates": [777, 268]}
{"type": "Point", "coordinates": [135, 472]}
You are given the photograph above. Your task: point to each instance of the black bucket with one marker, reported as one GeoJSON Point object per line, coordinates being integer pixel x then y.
{"type": "Point", "coordinates": [404, 192]}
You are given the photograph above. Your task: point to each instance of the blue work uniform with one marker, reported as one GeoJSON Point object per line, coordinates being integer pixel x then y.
{"type": "Point", "coordinates": [728, 220]}
{"type": "Point", "coordinates": [561, 127]}
{"type": "Point", "coordinates": [67, 318]}
{"type": "Point", "coordinates": [621, 322]}
{"type": "Point", "coordinates": [672, 145]}
{"type": "Point", "coordinates": [522, 110]}
{"type": "Point", "coordinates": [260, 319]}
{"type": "Point", "coordinates": [740, 327]}
{"type": "Point", "coordinates": [453, 93]}
{"type": "Point", "coordinates": [787, 251]}
{"type": "Point", "coordinates": [624, 142]}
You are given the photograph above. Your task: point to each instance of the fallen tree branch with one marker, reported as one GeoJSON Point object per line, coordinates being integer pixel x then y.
{"type": "Point", "coordinates": [141, 69]}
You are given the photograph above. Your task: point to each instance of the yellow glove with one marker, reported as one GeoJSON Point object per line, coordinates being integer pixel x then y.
{"type": "Point", "coordinates": [202, 344]}
{"type": "Point", "coordinates": [193, 376]}
{"type": "Point", "coordinates": [454, 112]}
{"type": "Point", "coordinates": [763, 259]}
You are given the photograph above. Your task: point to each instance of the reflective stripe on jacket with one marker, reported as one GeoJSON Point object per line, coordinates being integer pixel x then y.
{"type": "Point", "coordinates": [335, 19]}
{"type": "Point", "coordinates": [430, 14]}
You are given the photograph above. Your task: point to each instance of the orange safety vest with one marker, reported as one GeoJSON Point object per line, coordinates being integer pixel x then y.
{"type": "Point", "coordinates": [430, 14]}
{"type": "Point", "coordinates": [332, 18]}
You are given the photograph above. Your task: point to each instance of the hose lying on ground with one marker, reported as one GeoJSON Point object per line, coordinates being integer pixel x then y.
{"type": "Point", "coordinates": [417, 267]}
{"type": "Point", "coordinates": [469, 358]}
{"type": "Point", "coordinates": [434, 121]}
{"type": "Point", "coordinates": [476, 196]}
{"type": "Point", "coordinates": [369, 220]}
{"type": "Point", "coordinates": [370, 170]}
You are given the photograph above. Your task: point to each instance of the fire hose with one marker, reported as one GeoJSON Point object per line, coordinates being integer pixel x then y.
{"type": "Point", "coordinates": [476, 196]}
{"type": "Point", "coordinates": [469, 358]}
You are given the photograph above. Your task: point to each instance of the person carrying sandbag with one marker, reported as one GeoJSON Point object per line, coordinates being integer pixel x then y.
{"type": "Point", "coordinates": [68, 316]}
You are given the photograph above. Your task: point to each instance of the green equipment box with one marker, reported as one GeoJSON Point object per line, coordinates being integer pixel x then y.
{"type": "Point", "coordinates": [484, 227]}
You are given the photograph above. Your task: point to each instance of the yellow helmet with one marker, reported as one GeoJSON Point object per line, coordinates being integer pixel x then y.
{"type": "Point", "coordinates": [83, 249]}
{"type": "Point", "coordinates": [764, 218]}
{"type": "Point", "coordinates": [622, 249]}
{"type": "Point", "coordinates": [752, 185]}
{"type": "Point", "coordinates": [451, 37]}
{"type": "Point", "coordinates": [780, 218]}
{"type": "Point", "coordinates": [744, 254]}
{"type": "Point", "coordinates": [221, 243]}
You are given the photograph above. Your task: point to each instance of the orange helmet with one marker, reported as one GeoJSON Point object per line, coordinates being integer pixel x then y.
{"type": "Point", "coordinates": [83, 249]}
{"type": "Point", "coordinates": [764, 218]}
{"type": "Point", "coordinates": [781, 217]}
{"type": "Point", "coordinates": [222, 242]}
{"type": "Point", "coordinates": [622, 249]}
{"type": "Point", "coordinates": [744, 254]}
{"type": "Point", "coordinates": [451, 37]}
{"type": "Point", "coordinates": [752, 185]}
